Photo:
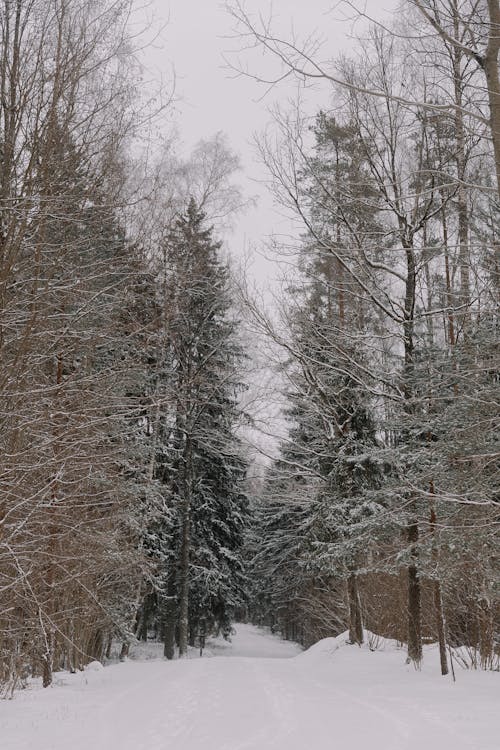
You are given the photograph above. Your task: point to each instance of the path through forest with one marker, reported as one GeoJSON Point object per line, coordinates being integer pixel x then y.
{"type": "Point", "coordinates": [258, 693]}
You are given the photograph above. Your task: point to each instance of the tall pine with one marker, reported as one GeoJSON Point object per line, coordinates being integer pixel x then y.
{"type": "Point", "coordinates": [200, 461]}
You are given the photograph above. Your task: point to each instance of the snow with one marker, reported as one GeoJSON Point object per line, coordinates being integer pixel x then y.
{"type": "Point", "coordinates": [253, 642]}
{"type": "Point", "coordinates": [94, 666]}
{"type": "Point", "coordinates": [259, 693]}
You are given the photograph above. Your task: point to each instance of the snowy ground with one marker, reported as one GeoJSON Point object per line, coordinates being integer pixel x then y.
{"type": "Point", "coordinates": [331, 697]}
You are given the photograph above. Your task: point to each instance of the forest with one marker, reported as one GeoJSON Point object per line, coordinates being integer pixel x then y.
{"type": "Point", "coordinates": [133, 505]}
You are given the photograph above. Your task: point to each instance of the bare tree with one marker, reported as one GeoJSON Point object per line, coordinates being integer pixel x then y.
{"type": "Point", "coordinates": [67, 501]}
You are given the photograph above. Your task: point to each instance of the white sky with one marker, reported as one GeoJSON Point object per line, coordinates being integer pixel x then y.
{"type": "Point", "coordinates": [210, 99]}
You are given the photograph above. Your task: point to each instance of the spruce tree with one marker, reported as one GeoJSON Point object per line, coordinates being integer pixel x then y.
{"type": "Point", "coordinates": [201, 463]}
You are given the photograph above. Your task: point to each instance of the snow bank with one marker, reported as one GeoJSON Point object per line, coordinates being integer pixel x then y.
{"type": "Point", "coordinates": [94, 666]}
{"type": "Point", "coordinates": [327, 647]}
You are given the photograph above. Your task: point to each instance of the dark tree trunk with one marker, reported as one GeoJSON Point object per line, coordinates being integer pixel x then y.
{"type": "Point", "coordinates": [414, 600]}
{"type": "Point", "coordinates": [414, 592]}
{"type": "Point", "coordinates": [438, 599]}
{"type": "Point", "coordinates": [486, 633]}
{"type": "Point", "coordinates": [192, 633]}
{"type": "Point", "coordinates": [96, 649]}
{"type": "Point", "coordinates": [490, 65]}
{"type": "Point", "coordinates": [142, 634]}
{"type": "Point", "coordinates": [144, 616]}
{"type": "Point", "coordinates": [355, 616]}
{"type": "Point", "coordinates": [441, 627]}
{"type": "Point", "coordinates": [170, 619]}
{"type": "Point", "coordinates": [185, 551]}
{"type": "Point", "coordinates": [47, 669]}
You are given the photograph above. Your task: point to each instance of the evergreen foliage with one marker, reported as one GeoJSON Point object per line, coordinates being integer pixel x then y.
{"type": "Point", "coordinates": [198, 540]}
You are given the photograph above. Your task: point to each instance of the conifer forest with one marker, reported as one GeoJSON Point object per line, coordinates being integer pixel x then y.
{"type": "Point", "coordinates": [181, 449]}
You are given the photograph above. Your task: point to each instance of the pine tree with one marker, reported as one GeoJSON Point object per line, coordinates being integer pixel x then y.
{"type": "Point", "coordinates": [200, 461]}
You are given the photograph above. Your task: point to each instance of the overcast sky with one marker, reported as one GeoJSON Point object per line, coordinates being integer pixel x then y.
{"type": "Point", "coordinates": [211, 99]}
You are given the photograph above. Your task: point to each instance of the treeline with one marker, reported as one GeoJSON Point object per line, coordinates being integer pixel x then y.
{"type": "Point", "coordinates": [121, 501]}
{"type": "Point", "coordinates": [382, 509]}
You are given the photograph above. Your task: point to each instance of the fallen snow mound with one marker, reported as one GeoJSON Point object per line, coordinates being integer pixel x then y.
{"type": "Point", "coordinates": [94, 666]}
{"type": "Point", "coordinates": [324, 648]}
{"type": "Point", "coordinates": [328, 646]}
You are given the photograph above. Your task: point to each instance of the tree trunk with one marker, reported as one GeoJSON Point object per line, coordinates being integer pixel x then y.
{"type": "Point", "coordinates": [185, 551]}
{"type": "Point", "coordinates": [414, 593]}
{"type": "Point", "coordinates": [414, 600]}
{"type": "Point", "coordinates": [192, 633]}
{"type": "Point", "coordinates": [490, 66]}
{"type": "Point", "coordinates": [493, 82]}
{"type": "Point", "coordinates": [47, 660]}
{"type": "Point", "coordinates": [438, 599]}
{"type": "Point", "coordinates": [461, 161]}
{"type": "Point", "coordinates": [447, 274]}
{"type": "Point", "coordinates": [486, 633]}
{"type": "Point", "coordinates": [47, 671]}
{"type": "Point", "coordinates": [355, 616]}
{"type": "Point", "coordinates": [170, 619]}
{"type": "Point", "coordinates": [440, 626]}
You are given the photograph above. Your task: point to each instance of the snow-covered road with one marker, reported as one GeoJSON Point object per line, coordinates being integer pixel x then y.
{"type": "Point", "coordinates": [332, 697]}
